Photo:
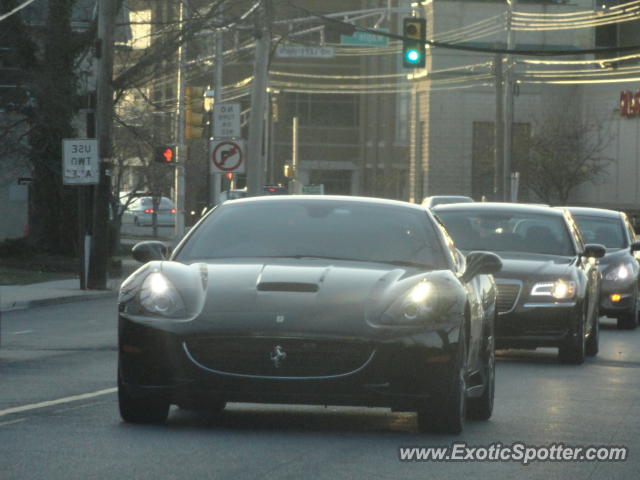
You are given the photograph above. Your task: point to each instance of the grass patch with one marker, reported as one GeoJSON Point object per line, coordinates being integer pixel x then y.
{"type": "Point", "coordinates": [16, 276]}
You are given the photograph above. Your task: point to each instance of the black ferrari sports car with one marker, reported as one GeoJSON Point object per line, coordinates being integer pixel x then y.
{"type": "Point", "coordinates": [549, 286]}
{"type": "Point", "coordinates": [310, 300]}
{"type": "Point", "coordinates": [619, 267]}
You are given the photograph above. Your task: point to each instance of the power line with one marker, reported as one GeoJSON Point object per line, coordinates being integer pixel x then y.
{"type": "Point", "coordinates": [513, 51]}
{"type": "Point", "coordinates": [16, 10]}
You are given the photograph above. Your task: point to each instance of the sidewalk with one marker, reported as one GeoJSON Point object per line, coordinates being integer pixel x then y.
{"type": "Point", "coordinates": [20, 297]}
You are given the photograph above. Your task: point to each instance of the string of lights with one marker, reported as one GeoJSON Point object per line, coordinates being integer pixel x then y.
{"type": "Point", "coordinates": [578, 13]}
{"type": "Point", "coordinates": [497, 23]}
{"type": "Point", "coordinates": [628, 17]}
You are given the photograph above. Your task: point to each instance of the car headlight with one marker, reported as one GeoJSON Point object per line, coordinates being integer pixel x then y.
{"type": "Point", "coordinates": [619, 273]}
{"type": "Point", "coordinates": [159, 297]}
{"type": "Point", "coordinates": [560, 289]}
{"type": "Point", "coordinates": [419, 302]}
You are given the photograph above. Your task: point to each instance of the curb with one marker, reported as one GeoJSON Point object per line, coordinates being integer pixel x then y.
{"type": "Point", "coordinates": [42, 302]}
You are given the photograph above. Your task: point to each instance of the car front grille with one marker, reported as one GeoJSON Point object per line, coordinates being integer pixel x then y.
{"type": "Point", "coordinates": [508, 293]}
{"type": "Point", "coordinates": [279, 357]}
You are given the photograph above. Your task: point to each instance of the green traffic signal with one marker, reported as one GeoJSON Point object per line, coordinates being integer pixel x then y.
{"type": "Point", "coordinates": [414, 31]}
{"type": "Point", "coordinates": [412, 56]}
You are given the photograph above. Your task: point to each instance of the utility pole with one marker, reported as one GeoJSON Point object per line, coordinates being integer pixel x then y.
{"type": "Point", "coordinates": [181, 154]}
{"type": "Point", "coordinates": [498, 161]}
{"type": "Point", "coordinates": [508, 107]}
{"type": "Point", "coordinates": [99, 258]}
{"type": "Point", "coordinates": [216, 178]}
{"type": "Point", "coordinates": [255, 165]}
{"type": "Point", "coordinates": [294, 185]}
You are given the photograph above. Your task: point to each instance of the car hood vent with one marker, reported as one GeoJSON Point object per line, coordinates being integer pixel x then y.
{"type": "Point", "coordinates": [287, 287]}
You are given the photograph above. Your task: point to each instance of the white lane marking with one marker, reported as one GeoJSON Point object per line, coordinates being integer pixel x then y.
{"type": "Point", "coordinates": [18, 420]}
{"type": "Point", "coordinates": [59, 401]}
{"type": "Point", "coordinates": [21, 332]}
{"type": "Point", "coordinates": [78, 407]}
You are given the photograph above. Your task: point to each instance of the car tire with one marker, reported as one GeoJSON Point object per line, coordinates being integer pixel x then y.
{"type": "Point", "coordinates": [481, 408]}
{"type": "Point", "coordinates": [593, 342]}
{"type": "Point", "coordinates": [143, 409]}
{"type": "Point", "coordinates": [628, 321]}
{"type": "Point", "coordinates": [573, 350]}
{"type": "Point", "coordinates": [448, 416]}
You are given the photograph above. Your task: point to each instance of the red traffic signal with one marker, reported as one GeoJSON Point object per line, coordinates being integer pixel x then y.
{"type": "Point", "coordinates": [165, 154]}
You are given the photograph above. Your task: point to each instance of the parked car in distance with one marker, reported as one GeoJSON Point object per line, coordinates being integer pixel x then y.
{"type": "Point", "coordinates": [251, 307]}
{"type": "Point", "coordinates": [277, 189]}
{"type": "Point", "coordinates": [232, 194]}
{"type": "Point", "coordinates": [549, 286]}
{"type": "Point", "coordinates": [430, 202]}
{"type": "Point", "coordinates": [140, 212]}
{"type": "Point", "coordinates": [620, 268]}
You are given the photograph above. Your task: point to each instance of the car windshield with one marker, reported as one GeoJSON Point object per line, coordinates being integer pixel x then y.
{"type": "Point", "coordinates": [371, 233]}
{"type": "Point", "coordinates": [508, 232]}
{"type": "Point", "coordinates": [605, 231]}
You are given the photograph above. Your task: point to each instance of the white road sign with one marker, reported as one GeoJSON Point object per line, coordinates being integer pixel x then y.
{"type": "Point", "coordinates": [227, 156]}
{"type": "Point", "coordinates": [301, 51]}
{"type": "Point", "coordinates": [226, 120]}
{"type": "Point", "coordinates": [80, 161]}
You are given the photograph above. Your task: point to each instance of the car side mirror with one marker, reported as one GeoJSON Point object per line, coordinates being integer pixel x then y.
{"type": "Point", "coordinates": [635, 247]}
{"type": "Point", "coordinates": [481, 263]}
{"type": "Point", "coordinates": [594, 250]}
{"type": "Point", "coordinates": [145, 252]}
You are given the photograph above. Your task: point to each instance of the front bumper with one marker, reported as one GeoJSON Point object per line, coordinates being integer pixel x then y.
{"type": "Point", "coordinates": [400, 372]}
{"type": "Point", "coordinates": [625, 305]}
{"type": "Point", "coordinates": [532, 325]}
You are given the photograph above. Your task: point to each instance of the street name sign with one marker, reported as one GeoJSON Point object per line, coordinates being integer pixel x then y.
{"type": "Point", "coordinates": [302, 51]}
{"type": "Point", "coordinates": [80, 161]}
{"type": "Point", "coordinates": [226, 120]}
{"type": "Point", "coordinates": [366, 39]}
{"type": "Point", "coordinates": [227, 156]}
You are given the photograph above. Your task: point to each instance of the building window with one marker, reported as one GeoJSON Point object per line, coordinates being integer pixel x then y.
{"type": "Point", "coordinates": [323, 110]}
{"type": "Point", "coordinates": [140, 29]}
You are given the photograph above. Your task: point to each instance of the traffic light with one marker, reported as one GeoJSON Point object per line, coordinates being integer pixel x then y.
{"type": "Point", "coordinates": [194, 114]}
{"type": "Point", "coordinates": [414, 31]}
{"type": "Point", "coordinates": [165, 154]}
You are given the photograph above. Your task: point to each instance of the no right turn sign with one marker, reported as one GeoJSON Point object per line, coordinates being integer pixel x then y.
{"type": "Point", "coordinates": [227, 156]}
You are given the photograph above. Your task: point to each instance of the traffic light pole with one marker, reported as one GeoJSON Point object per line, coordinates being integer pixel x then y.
{"type": "Point", "coordinates": [181, 154]}
{"type": "Point", "coordinates": [498, 162]}
{"type": "Point", "coordinates": [508, 108]}
{"type": "Point", "coordinates": [256, 176]}
{"type": "Point", "coordinates": [216, 178]}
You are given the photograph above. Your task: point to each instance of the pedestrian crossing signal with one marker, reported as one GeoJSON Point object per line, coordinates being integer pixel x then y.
{"type": "Point", "coordinates": [165, 154]}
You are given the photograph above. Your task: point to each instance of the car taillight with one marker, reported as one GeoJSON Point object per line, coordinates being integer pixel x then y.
{"type": "Point", "coordinates": [271, 189]}
{"type": "Point", "coordinates": [148, 210]}
{"type": "Point", "coordinates": [173, 210]}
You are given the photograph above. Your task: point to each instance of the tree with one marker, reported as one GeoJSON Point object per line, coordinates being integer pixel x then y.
{"type": "Point", "coordinates": [565, 151]}
{"type": "Point", "coordinates": [43, 104]}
